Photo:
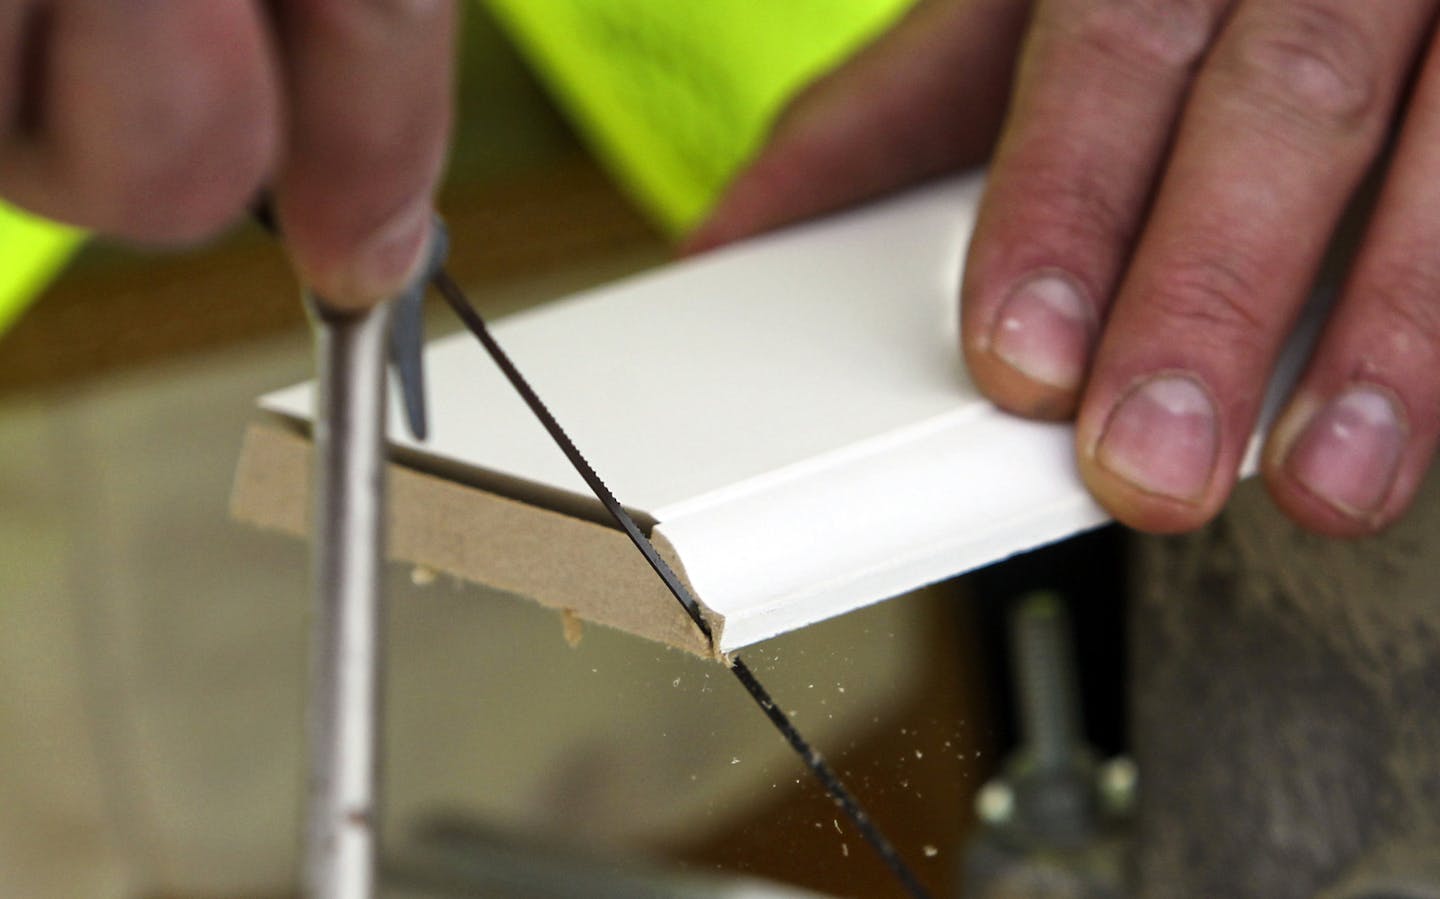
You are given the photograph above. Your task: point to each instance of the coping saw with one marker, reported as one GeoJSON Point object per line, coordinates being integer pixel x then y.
{"type": "Point", "coordinates": [342, 818]}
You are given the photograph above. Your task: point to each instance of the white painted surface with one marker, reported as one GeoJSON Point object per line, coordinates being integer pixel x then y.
{"type": "Point", "coordinates": [792, 411]}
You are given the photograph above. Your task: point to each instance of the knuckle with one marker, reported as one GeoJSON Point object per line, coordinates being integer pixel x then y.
{"type": "Point", "coordinates": [1310, 62]}
{"type": "Point", "coordinates": [1079, 204]}
{"type": "Point", "coordinates": [1206, 298]}
{"type": "Point", "coordinates": [1407, 295]}
{"type": "Point", "coordinates": [1171, 34]}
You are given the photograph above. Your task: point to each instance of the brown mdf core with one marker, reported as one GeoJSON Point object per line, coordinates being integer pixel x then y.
{"type": "Point", "coordinates": [570, 564]}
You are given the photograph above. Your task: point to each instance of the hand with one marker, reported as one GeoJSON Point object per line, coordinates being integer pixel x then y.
{"type": "Point", "coordinates": [1167, 178]}
{"type": "Point", "coordinates": [159, 121]}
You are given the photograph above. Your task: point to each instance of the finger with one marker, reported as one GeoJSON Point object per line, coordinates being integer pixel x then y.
{"type": "Point", "coordinates": [1288, 112]}
{"type": "Point", "coordinates": [1349, 452]}
{"type": "Point", "coordinates": [1101, 84]}
{"type": "Point", "coordinates": [152, 121]}
{"type": "Point", "coordinates": [369, 90]}
{"type": "Point", "coordinates": [925, 98]}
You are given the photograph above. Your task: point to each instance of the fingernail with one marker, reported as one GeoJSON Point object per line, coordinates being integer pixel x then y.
{"type": "Point", "coordinates": [1045, 330]}
{"type": "Point", "coordinates": [1349, 452]}
{"type": "Point", "coordinates": [389, 259]}
{"type": "Point", "coordinates": [1162, 438]}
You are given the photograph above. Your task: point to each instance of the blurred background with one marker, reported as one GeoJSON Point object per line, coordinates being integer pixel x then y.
{"type": "Point", "coordinates": [152, 652]}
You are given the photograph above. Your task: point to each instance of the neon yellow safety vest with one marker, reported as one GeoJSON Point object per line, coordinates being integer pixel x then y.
{"type": "Point", "coordinates": [674, 95]}
{"type": "Point", "coordinates": [32, 250]}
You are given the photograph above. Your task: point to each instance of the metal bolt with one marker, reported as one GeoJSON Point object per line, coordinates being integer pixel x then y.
{"type": "Point", "coordinates": [1044, 672]}
{"type": "Point", "coordinates": [1052, 773]}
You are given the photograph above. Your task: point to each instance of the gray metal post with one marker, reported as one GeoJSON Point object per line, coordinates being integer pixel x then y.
{"type": "Point", "coordinates": [344, 707]}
